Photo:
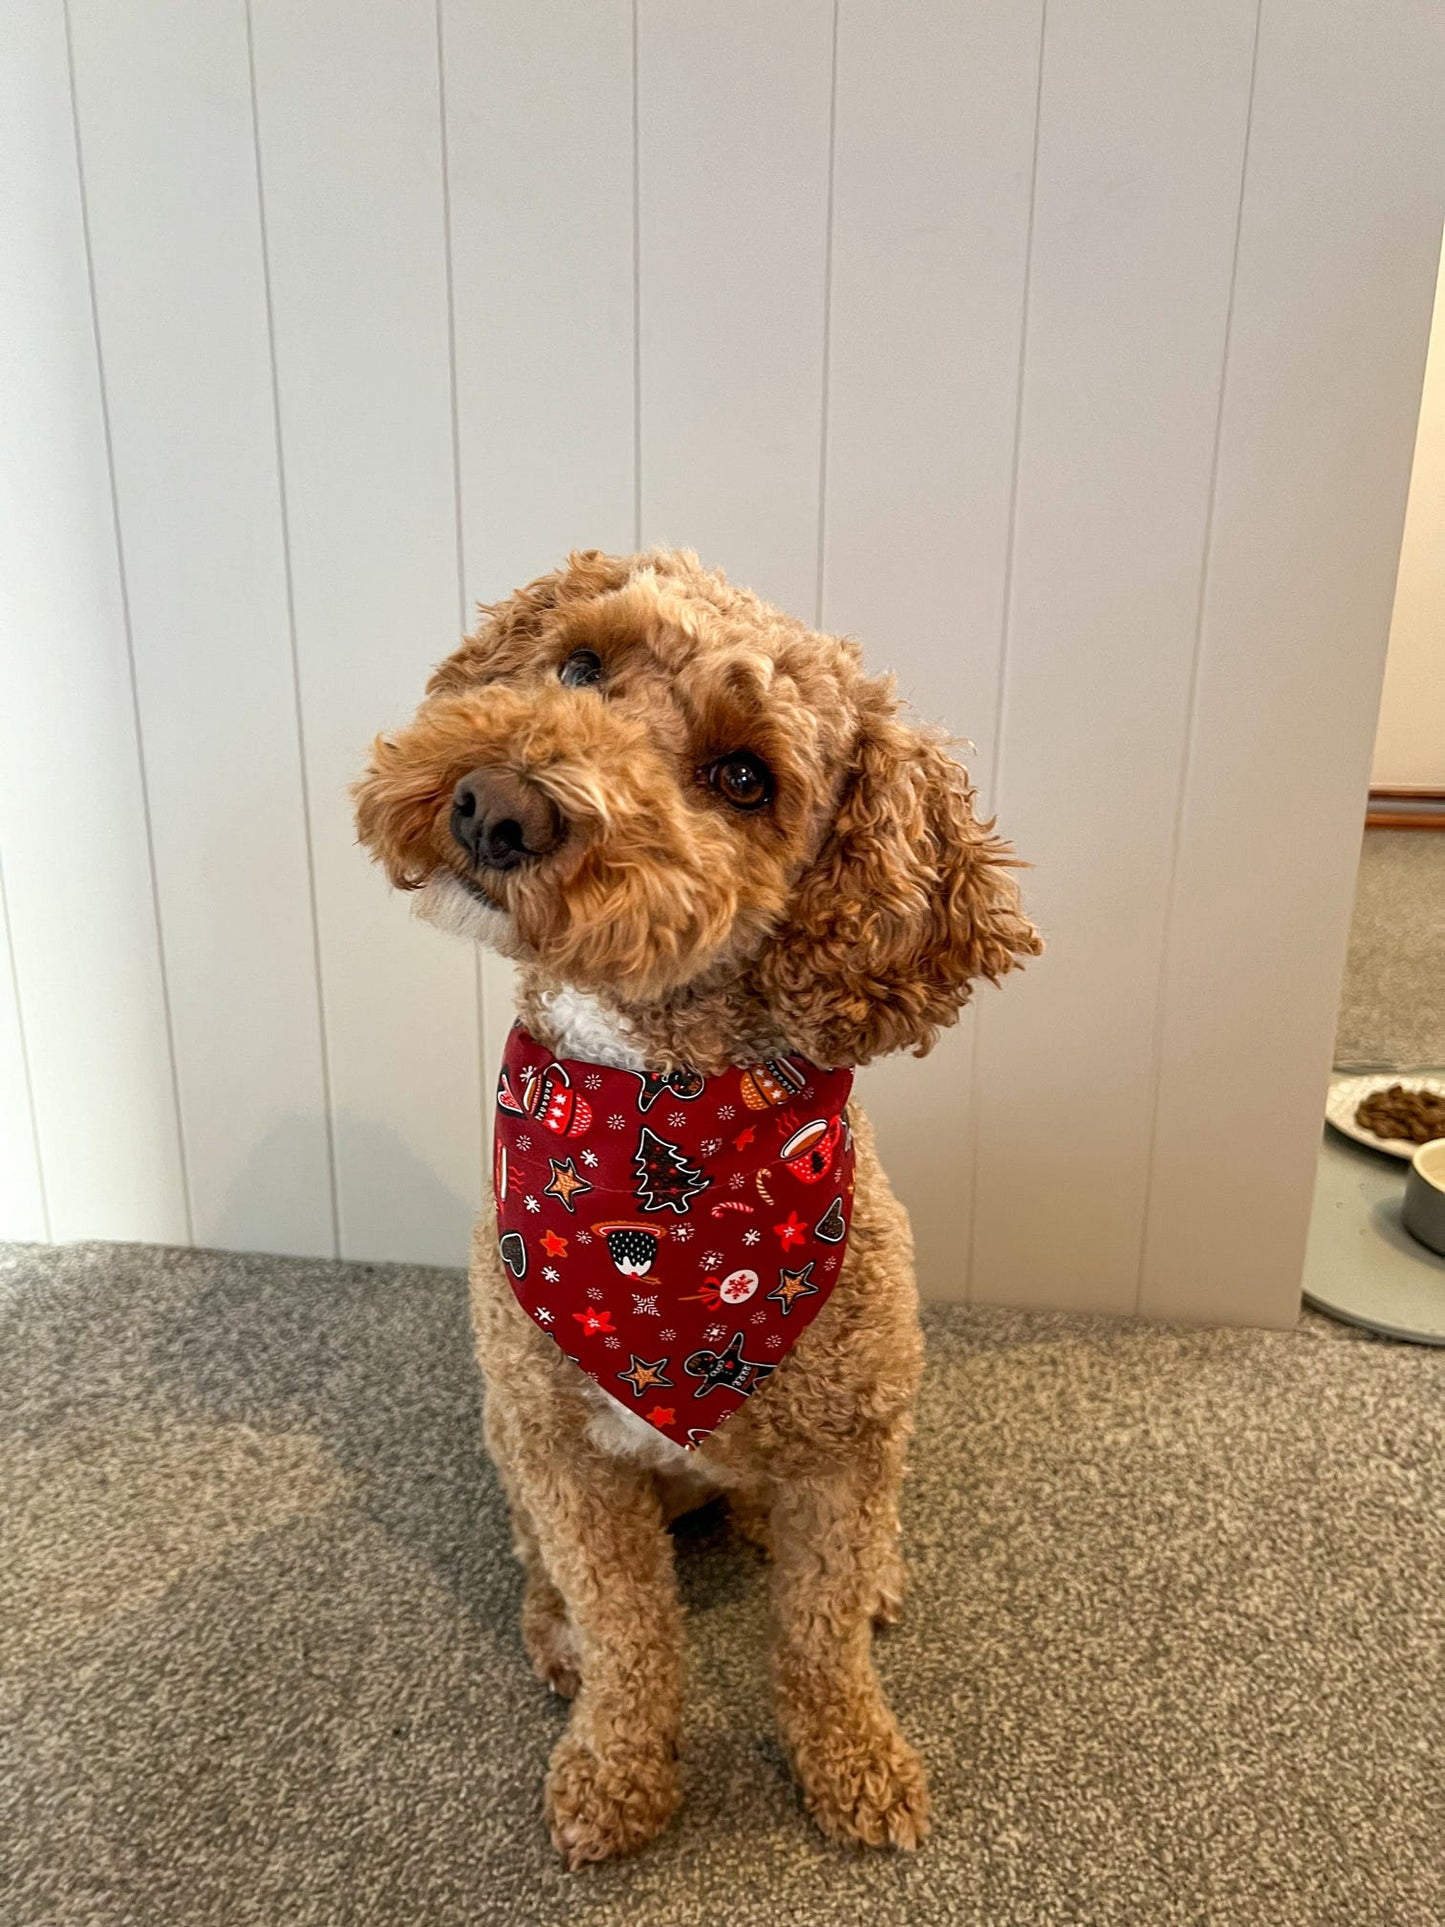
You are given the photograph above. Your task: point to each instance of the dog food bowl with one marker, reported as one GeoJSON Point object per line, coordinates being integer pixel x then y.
{"type": "Point", "coordinates": [1423, 1212]}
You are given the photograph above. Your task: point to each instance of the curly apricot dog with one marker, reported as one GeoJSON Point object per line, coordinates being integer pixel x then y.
{"type": "Point", "coordinates": [710, 842]}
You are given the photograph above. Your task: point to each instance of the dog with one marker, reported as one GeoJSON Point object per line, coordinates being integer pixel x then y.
{"type": "Point", "coordinates": [717, 850]}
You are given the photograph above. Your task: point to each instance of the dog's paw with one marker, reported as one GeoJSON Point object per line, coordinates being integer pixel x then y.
{"type": "Point", "coordinates": [601, 1809]}
{"type": "Point", "coordinates": [866, 1790]}
{"type": "Point", "coordinates": [550, 1642]}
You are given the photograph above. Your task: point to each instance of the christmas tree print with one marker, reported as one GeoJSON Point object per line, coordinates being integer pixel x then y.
{"type": "Point", "coordinates": [665, 1179]}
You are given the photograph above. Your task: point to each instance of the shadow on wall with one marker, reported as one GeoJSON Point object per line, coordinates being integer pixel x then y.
{"type": "Point", "coordinates": [393, 1207]}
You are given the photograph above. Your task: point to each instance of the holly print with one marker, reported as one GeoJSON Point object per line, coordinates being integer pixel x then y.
{"type": "Point", "coordinates": [665, 1179]}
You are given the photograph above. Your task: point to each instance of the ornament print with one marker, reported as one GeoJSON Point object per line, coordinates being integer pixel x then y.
{"type": "Point", "coordinates": [677, 1233]}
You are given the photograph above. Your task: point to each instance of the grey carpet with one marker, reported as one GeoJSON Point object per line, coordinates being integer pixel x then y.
{"type": "Point", "coordinates": [1173, 1649]}
{"type": "Point", "coordinates": [1392, 1005]}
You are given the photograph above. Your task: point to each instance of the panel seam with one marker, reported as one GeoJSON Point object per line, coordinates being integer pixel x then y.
{"type": "Point", "coordinates": [827, 356]}
{"type": "Point", "coordinates": [458, 524]}
{"type": "Point", "coordinates": [1006, 624]}
{"type": "Point", "coordinates": [323, 1041]}
{"type": "Point", "coordinates": [25, 1058]}
{"type": "Point", "coordinates": [636, 279]}
{"type": "Point", "coordinates": [1191, 708]}
{"type": "Point", "coordinates": [123, 586]}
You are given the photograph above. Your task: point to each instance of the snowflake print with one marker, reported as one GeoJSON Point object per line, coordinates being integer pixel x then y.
{"type": "Point", "coordinates": [593, 1082]}
{"type": "Point", "coordinates": [751, 1237]}
{"type": "Point", "coordinates": [774, 1341]}
{"type": "Point", "coordinates": [711, 1146]}
{"type": "Point", "coordinates": [584, 1237]}
{"type": "Point", "coordinates": [617, 1122]}
{"type": "Point", "coordinates": [594, 1292]}
{"type": "Point", "coordinates": [524, 1143]}
{"type": "Point", "coordinates": [715, 1334]}
{"type": "Point", "coordinates": [830, 1264]}
{"type": "Point", "coordinates": [736, 1181]}
{"type": "Point", "coordinates": [543, 1316]}
{"type": "Point", "coordinates": [726, 1114]}
{"type": "Point", "coordinates": [614, 1344]}
{"type": "Point", "coordinates": [678, 1121]}
{"type": "Point", "coordinates": [710, 1260]}
{"type": "Point", "coordinates": [551, 1274]}
{"type": "Point", "coordinates": [760, 1318]}
{"type": "Point", "coordinates": [667, 1335]}
{"type": "Point", "coordinates": [809, 1094]}
{"type": "Point", "coordinates": [532, 1204]}
{"type": "Point", "coordinates": [645, 1307]}
{"type": "Point", "coordinates": [589, 1158]}
{"type": "Point", "coordinates": [680, 1233]}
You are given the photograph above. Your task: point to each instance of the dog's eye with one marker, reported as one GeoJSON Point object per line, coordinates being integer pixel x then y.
{"type": "Point", "coordinates": [743, 780]}
{"type": "Point", "coordinates": [582, 669]}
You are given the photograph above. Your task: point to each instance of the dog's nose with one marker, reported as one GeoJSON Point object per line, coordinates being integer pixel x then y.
{"type": "Point", "coordinates": [500, 819]}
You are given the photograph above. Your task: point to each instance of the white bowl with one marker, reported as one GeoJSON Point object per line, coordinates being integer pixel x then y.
{"type": "Point", "coordinates": [1423, 1212]}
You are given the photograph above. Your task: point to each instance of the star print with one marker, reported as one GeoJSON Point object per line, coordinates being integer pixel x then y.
{"type": "Point", "coordinates": [551, 1274]}
{"type": "Point", "coordinates": [566, 1182]}
{"type": "Point", "coordinates": [593, 1322]}
{"type": "Point", "coordinates": [745, 1138]}
{"type": "Point", "coordinates": [642, 1376]}
{"type": "Point", "coordinates": [793, 1285]}
{"type": "Point", "coordinates": [554, 1246]}
{"type": "Point", "coordinates": [661, 1414]}
{"type": "Point", "coordinates": [791, 1233]}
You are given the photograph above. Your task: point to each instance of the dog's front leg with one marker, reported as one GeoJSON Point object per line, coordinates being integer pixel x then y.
{"type": "Point", "coordinates": [613, 1781]}
{"type": "Point", "coordinates": [831, 1542]}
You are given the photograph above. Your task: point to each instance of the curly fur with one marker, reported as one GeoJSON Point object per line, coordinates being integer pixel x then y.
{"type": "Point", "coordinates": [846, 920]}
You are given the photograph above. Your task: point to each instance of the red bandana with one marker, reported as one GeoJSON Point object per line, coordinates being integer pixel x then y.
{"type": "Point", "coordinates": [674, 1234]}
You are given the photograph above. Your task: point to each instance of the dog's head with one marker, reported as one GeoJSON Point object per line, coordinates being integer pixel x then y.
{"type": "Point", "coordinates": [639, 778]}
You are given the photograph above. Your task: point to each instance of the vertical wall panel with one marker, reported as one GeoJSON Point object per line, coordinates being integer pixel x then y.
{"type": "Point", "coordinates": [72, 809]}
{"type": "Point", "coordinates": [733, 109]}
{"type": "Point", "coordinates": [22, 1189]}
{"type": "Point", "coordinates": [1143, 114]}
{"type": "Point", "coordinates": [539, 106]}
{"type": "Point", "coordinates": [166, 139]}
{"type": "Point", "coordinates": [1340, 230]}
{"type": "Point", "coordinates": [935, 115]}
{"type": "Point", "coordinates": [349, 124]}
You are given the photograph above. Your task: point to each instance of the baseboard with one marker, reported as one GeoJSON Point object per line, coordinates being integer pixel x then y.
{"type": "Point", "coordinates": [1406, 810]}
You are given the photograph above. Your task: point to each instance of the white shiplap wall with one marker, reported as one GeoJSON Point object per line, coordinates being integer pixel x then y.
{"type": "Point", "coordinates": [1065, 350]}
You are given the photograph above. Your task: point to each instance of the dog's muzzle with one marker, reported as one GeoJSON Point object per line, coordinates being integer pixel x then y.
{"type": "Point", "coordinates": [502, 821]}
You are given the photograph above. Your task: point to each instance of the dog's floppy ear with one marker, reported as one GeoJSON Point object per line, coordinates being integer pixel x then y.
{"type": "Point", "coordinates": [909, 901]}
